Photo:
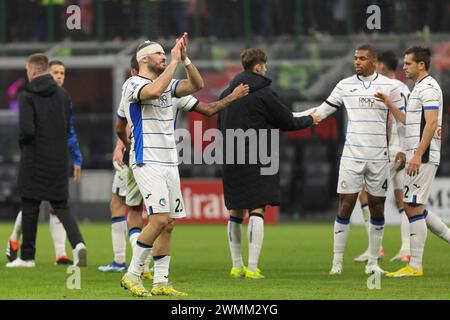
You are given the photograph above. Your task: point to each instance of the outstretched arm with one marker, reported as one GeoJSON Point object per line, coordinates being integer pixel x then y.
{"type": "Point", "coordinates": [323, 111]}
{"type": "Point", "coordinates": [209, 109]}
{"type": "Point", "coordinates": [398, 114]}
{"type": "Point", "coordinates": [282, 118]}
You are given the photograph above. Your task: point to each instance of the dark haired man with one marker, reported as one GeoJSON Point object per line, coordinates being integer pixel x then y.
{"type": "Point", "coordinates": [246, 188]}
{"type": "Point", "coordinates": [365, 157]}
{"type": "Point", "coordinates": [423, 120]}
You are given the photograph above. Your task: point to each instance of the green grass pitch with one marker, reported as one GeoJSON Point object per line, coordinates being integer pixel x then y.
{"type": "Point", "coordinates": [295, 259]}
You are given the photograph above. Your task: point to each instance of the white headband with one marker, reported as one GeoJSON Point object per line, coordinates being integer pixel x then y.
{"type": "Point", "coordinates": [148, 48]}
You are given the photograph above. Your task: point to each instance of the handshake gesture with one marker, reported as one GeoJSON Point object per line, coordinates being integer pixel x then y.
{"type": "Point", "coordinates": [315, 117]}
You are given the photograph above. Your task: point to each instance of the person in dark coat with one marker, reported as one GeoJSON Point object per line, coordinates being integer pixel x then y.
{"type": "Point", "coordinates": [253, 185]}
{"type": "Point", "coordinates": [44, 115]}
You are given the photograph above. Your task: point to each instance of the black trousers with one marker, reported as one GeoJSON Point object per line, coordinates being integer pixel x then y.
{"type": "Point", "coordinates": [30, 214]}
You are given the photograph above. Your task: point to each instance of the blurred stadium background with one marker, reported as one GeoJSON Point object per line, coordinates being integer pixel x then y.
{"type": "Point", "coordinates": [310, 45]}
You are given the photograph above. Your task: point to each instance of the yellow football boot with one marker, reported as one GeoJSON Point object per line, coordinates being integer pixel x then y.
{"type": "Point", "coordinates": [254, 274]}
{"type": "Point", "coordinates": [407, 271]}
{"type": "Point", "coordinates": [166, 289]}
{"type": "Point", "coordinates": [238, 273]}
{"type": "Point", "coordinates": [133, 283]}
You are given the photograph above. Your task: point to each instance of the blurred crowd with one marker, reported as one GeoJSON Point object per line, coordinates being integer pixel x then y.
{"type": "Point", "coordinates": [29, 20]}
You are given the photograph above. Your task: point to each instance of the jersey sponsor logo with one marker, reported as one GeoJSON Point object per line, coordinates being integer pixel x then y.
{"type": "Point", "coordinates": [365, 102]}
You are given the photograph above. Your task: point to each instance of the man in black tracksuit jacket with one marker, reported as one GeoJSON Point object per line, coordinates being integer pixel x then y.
{"type": "Point", "coordinates": [245, 187]}
{"type": "Point", "coordinates": [44, 115]}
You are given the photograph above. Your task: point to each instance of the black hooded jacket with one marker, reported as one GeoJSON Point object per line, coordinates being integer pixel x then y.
{"type": "Point", "coordinates": [44, 110]}
{"type": "Point", "coordinates": [245, 187]}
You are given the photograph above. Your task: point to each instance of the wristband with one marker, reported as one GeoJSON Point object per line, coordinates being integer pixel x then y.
{"type": "Point", "coordinates": [187, 62]}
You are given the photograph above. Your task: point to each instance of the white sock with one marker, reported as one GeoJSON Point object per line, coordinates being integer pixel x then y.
{"type": "Point", "coordinates": [119, 238]}
{"type": "Point", "coordinates": [133, 235]}
{"type": "Point", "coordinates": [235, 241]}
{"type": "Point", "coordinates": [255, 235]}
{"type": "Point", "coordinates": [404, 230]}
{"type": "Point", "coordinates": [435, 224]}
{"type": "Point", "coordinates": [161, 269]}
{"type": "Point", "coordinates": [17, 231]}
{"type": "Point", "coordinates": [140, 253]}
{"type": "Point", "coordinates": [147, 262]}
{"type": "Point", "coordinates": [418, 229]}
{"type": "Point", "coordinates": [341, 230]}
{"type": "Point", "coordinates": [376, 231]}
{"type": "Point", "coordinates": [58, 235]}
{"type": "Point", "coordinates": [366, 216]}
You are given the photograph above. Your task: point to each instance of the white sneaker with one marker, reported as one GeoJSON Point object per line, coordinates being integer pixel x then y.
{"type": "Point", "coordinates": [19, 263]}
{"type": "Point", "coordinates": [336, 269]}
{"type": "Point", "coordinates": [374, 268]}
{"type": "Point", "coordinates": [363, 257]}
{"type": "Point", "coordinates": [80, 255]}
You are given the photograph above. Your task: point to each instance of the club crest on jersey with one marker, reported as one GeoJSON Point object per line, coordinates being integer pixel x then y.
{"type": "Point", "coordinates": [366, 102]}
{"type": "Point", "coordinates": [163, 100]}
{"type": "Point", "coordinates": [379, 90]}
{"type": "Point", "coordinates": [134, 85]}
{"type": "Point", "coordinates": [162, 202]}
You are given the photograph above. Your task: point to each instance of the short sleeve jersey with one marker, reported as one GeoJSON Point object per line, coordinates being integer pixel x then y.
{"type": "Point", "coordinates": [366, 136]}
{"type": "Point", "coordinates": [152, 122]}
{"type": "Point", "coordinates": [426, 95]}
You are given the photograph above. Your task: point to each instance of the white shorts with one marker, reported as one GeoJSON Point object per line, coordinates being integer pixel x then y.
{"type": "Point", "coordinates": [397, 177]}
{"type": "Point", "coordinates": [417, 188]}
{"type": "Point", "coordinates": [119, 186]}
{"type": "Point", "coordinates": [354, 174]}
{"type": "Point", "coordinates": [134, 196]}
{"type": "Point", "coordinates": [160, 186]}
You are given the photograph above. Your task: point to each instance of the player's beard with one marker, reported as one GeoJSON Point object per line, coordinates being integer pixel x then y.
{"type": "Point", "coordinates": [156, 70]}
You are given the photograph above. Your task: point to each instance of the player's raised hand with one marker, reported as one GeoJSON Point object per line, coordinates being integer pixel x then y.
{"type": "Point", "coordinates": [240, 91]}
{"type": "Point", "coordinates": [316, 117]}
{"type": "Point", "coordinates": [176, 51]}
{"type": "Point", "coordinates": [184, 40]}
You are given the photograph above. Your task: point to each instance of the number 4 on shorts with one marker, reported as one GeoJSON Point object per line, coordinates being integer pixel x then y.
{"type": "Point", "coordinates": [385, 185]}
